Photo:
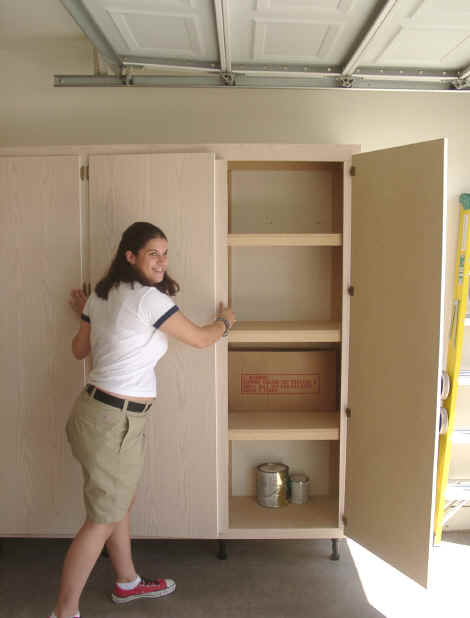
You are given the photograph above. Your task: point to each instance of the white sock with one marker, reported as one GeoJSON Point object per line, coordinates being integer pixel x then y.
{"type": "Point", "coordinates": [74, 616]}
{"type": "Point", "coordinates": [129, 585]}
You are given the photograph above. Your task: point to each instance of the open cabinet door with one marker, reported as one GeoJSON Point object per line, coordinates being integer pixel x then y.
{"type": "Point", "coordinates": [398, 239]}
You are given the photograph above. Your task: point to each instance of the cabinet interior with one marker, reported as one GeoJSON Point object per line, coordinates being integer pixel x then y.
{"type": "Point", "coordinates": [285, 286]}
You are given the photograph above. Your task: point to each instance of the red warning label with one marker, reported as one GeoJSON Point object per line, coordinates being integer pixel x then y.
{"type": "Point", "coordinates": [279, 383]}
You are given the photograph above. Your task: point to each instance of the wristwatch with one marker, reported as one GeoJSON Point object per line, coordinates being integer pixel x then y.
{"type": "Point", "coordinates": [227, 325]}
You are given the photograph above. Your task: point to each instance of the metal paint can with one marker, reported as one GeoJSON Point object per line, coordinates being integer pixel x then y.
{"type": "Point", "coordinates": [299, 486]}
{"type": "Point", "coordinates": [271, 485]}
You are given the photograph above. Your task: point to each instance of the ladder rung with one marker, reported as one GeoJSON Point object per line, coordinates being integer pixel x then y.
{"type": "Point", "coordinates": [464, 377]}
{"type": "Point", "coordinates": [458, 489]}
{"type": "Point", "coordinates": [461, 436]}
{"type": "Point", "coordinates": [451, 509]}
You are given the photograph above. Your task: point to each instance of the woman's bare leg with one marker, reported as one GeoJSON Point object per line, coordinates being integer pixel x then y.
{"type": "Point", "coordinates": [79, 561]}
{"type": "Point", "coordinates": [119, 549]}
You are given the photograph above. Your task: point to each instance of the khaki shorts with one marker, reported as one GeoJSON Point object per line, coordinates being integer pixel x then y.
{"type": "Point", "coordinates": [110, 444]}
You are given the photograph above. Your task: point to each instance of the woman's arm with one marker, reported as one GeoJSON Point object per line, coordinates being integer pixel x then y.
{"type": "Point", "coordinates": [81, 342]}
{"type": "Point", "coordinates": [180, 327]}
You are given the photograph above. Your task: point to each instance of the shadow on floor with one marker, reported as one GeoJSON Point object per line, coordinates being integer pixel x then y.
{"type": "Point", "coordinates": [459, 537]}
{"type": "Point", "coordinates": [272, 579]}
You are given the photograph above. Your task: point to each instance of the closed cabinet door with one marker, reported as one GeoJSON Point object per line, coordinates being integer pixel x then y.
{"type": "Point", "coordinates": [177, 495]}
{"type": "Point", "coordinates": [40, 261]}
{"type": "Point", "coordinates": [397, 269]}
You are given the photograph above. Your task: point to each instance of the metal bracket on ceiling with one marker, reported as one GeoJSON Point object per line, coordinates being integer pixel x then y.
{"type": "Point", "coordinates": [460, 84]}
{"type": "Point", "coordinates": [229, 79]}
{"type": "Point", "coordinates": [220, 74]}
{"type": "Point", "coordinates": [127, 76]}
{"type": "Point", "coordinates": [222, 22]}
{"type": "Point", "coordinates": [346, 81]}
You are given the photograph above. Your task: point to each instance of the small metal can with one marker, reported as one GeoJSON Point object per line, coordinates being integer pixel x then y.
{"type": "Point", "coordinates": [271, 485]}
{"type": "Point", "coordinates": [299, 486]}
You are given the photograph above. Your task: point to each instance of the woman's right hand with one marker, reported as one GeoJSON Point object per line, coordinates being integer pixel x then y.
{"type": "Point", "coordinates": [227, 313]}
{"type": "Point", "coordinates": [77, 301]}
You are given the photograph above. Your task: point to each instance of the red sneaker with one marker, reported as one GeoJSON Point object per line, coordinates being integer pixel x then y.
{"type": "Point", "coordinates": [147, 589]}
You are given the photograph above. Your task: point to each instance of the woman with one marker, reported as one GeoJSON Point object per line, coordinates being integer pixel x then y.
{"type": "Point", "coordinates": [125, 325]}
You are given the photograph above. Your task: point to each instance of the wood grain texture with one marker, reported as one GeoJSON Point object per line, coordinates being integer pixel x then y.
{"type": "Point", "coordinates": [310, 457]}
{"type": "Point", "coordinates": [282, 283]}
{"type": "Point", "coordinates": [316, 519]}
{"type": "Point", "coordinates": [281, 166]}
{"type": "Point", "coordinates": [221, 348]}
{"type": "Point", "coordinates": [345, 304]}
{"type": "Point", "coordinates": [230, 152]}
{"type": "Point", "coordinates": [178, 493]}
{"type": "Point", "coordinates": [284, 240]}
{"type": "Point", "coordinates": [398, 228]}
{"type": "Point", "coordinates": [283, 425]}
{"type": "Point", "coordinates": [282, 201]}
{"type": "Point", "coordinates": [40, 262]}
{"type": "Point", "coordinates": [275, 157]}
{"type": "Point", "coordinates": [253, 332]}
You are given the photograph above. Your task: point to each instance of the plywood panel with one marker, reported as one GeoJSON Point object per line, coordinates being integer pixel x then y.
{"type": "Point", "coordinates": [231, 152]}
{"type": "Point", "coordinates": [396, 321]}
{"type": "Point", "coordinates": [221, 352]}
{"type": "Point", "coordinates": [284, 240]}
{"type": "Point", "coordinates": [284, 381]}
{"type": "Point", "coordinates": [282, 283]}
{"type": "Point", "coordinates": [178, 493]}
{"type": "Point", "coordinates": [285, 425]}
{"type": "Point", "coordinates": [40, 263]}
{"type": "Point", "coordinates": [316, 519]}
{"type": "Point", "coordinates": [282, 201]}
{"type": "Point", "coordinates": [310, 457]}
{"type": "Point", "coordinates": [279, 332]}
{"type": "Point", "coordinates": [346, 187]}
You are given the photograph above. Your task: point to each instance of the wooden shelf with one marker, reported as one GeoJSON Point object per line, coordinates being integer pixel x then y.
{"type": "Point", "coordinates": [321, 512]}
{"type": "Point", "coordinates": [284, 240]}
{"type": "Point", "coordinates": [255, 425]}
{"type": "Point", "coordinates": [257, 332]}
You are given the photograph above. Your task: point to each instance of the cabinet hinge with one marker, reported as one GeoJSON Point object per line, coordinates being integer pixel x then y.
{"type": "Point", "coordinates": [351, 290]}
{"type": "Point", "coordinates": [352, 171]}
{"type": "Point", "coordinates": [344, 520]}
{"type": "Point", "coordinates": [348, 412]}
{"type": "Point", "coordinates": [84, 172]}
{"type": "Point", "coordinates": [86, 288]}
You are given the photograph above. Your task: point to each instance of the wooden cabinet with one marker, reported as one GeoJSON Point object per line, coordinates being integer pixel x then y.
{"type": "Point", "coordinates": [269, 227]}
{"type": "Point", "coordinates": [178, 492]}
{"type": "Point", "coordinates": [41, 258]}
{"type": "Point", "coordinates": [285, 269]}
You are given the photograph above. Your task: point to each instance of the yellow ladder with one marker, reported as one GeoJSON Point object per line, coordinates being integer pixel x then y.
{"type": "Point", "coordinates": [454, 356]}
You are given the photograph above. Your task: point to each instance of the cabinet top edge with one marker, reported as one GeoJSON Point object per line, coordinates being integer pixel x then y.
{"type": "Point", "coordinates": [229, 151]}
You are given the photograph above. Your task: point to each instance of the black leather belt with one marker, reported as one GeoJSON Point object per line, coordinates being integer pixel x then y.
{"type": "Point", "coordinates": [117, 402]}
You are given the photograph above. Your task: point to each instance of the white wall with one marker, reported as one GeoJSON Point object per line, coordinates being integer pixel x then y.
{"type": "Point", "coordinates": [33, 112]}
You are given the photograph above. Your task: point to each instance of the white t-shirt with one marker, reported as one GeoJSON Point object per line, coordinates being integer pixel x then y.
{"type": "Point", "coordinates": [125, 339]}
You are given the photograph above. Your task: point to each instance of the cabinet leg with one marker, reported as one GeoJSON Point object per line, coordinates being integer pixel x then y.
{"type": "Point", "coordinates": [222, 553]}
{"type": "Point", "coordinates": [334, 550]}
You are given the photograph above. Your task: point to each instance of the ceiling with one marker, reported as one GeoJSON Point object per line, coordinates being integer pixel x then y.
{"type": "Point", "coordinates": [386, 44]}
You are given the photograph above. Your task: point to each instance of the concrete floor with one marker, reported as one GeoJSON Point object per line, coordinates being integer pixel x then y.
{"type": "Point", "coordinates": [272, 579]}
{"type": "Point", "coordinates": [260, 579]}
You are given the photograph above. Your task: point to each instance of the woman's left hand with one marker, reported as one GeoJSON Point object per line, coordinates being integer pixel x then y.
{"type": "Point", "coordinates": [77, 301]}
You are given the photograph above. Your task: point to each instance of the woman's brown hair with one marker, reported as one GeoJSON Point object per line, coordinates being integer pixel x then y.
{"type": "Point", "coordinates": [133, 239]}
